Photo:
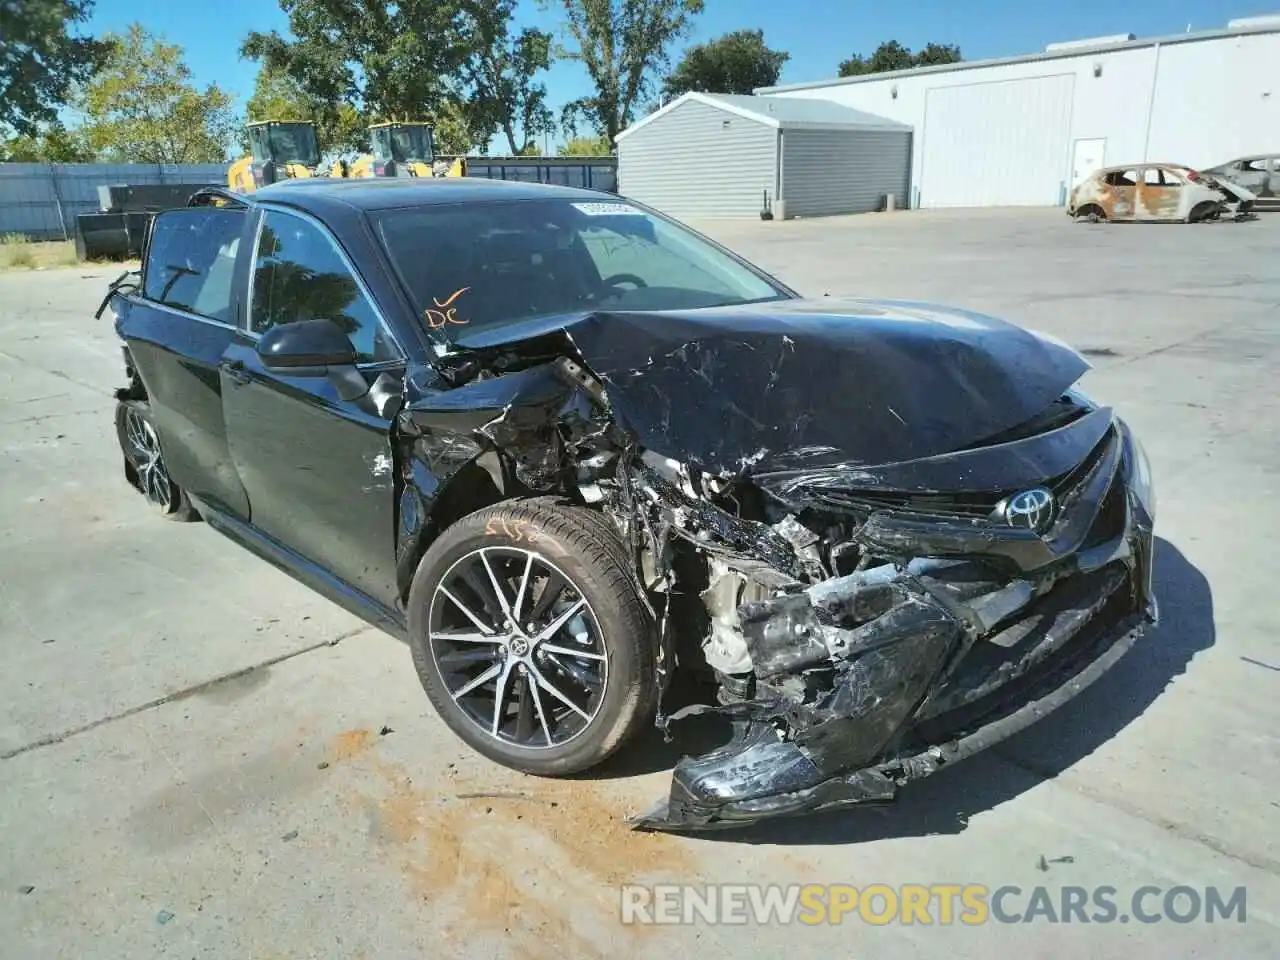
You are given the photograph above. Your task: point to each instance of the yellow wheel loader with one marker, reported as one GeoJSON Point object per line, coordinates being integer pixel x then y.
{"type": "Point", "coordinates": [279, 150]}
{"type": "Point", "coordinates": [403, 150]}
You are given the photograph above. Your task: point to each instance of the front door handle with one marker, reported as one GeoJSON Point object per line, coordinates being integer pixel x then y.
{"type": "Point", "coordinates": [234, 369]}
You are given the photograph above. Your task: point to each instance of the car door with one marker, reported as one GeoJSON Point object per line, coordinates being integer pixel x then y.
{"type": "Point", "coordinates": [1159, 195]}
{"type": "Point", "coordinates": [1120, 193]}
{"type": "Point", "coordinates": [176, 330]}
{"type": "Point", "coordinates": [312, 451]}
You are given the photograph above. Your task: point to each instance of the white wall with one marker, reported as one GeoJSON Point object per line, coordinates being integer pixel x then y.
{"type": "Point", "coordinates": [1217, 101]}
{"type": "Point", "coordinates": [1204, 101]}
{"type": "Point", "coordinates": [971, 155]}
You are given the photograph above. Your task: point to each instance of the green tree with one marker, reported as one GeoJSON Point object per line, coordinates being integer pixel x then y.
{"type": "Point", "coordinates": [277, 96]}
{"type": "Point", "coordinates": [586, 147]}
{"type": "Point", "coordinates": [51, 143]}
{"type": "Point", "coordinates": [935, 53]}
{"type": "Point", "coordinates": [390, 60]}
{"type": "Point", "coordinates": [622, 44]}
{"type": "Point", "coordinates": [502, 92]}
{"type": "Point", "coordinates": [40, 61]}
{"type": "Point", "coordinates": [454, 63]}
{"type": "Point", "coordinates": [141, 106]}
{"type": "Point", "coordinates": [453, 130]}
{"type": "Point", "coordinates": [891, 55]}
{"type": "Point", "coordinates": [738, 62]}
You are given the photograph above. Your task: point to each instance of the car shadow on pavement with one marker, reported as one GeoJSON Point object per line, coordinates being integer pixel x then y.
{"type": "Point", "coordinates": [944, 802]}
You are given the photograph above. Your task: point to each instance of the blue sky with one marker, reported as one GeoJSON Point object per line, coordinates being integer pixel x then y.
{"type": "Point", "coordinates": [817, 33]}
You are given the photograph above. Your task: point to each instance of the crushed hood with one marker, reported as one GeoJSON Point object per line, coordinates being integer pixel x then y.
{"type": "Point", "coordinates": [809, 383]}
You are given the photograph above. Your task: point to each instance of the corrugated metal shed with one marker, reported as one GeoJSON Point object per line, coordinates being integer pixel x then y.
{"type": "Point", "coordinates": [42, 200]}
{"type": "Point", "coordinates": [722, 155]}
{"type": "Point", "coordinates": [823, 175]}
{"type": "Point", "coordinates": [1024, 130]}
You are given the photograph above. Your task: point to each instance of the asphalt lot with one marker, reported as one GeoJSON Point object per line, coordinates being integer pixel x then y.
{"type": "Point", "coordinates": [193, 756]}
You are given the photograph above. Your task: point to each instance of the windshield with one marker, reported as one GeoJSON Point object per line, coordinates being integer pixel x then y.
{"type": "Point", "coordinates": [411, 143]}
{"type": "Point", "coordinates": [473, 266]}
{"type": "Point", "coordinates": [294, 143]}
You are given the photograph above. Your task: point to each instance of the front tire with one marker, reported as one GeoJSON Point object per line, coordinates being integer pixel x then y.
{"type": "Point", "coordinates": [1204, 212]}
{"type": "Point", "coordinates": [144, 464]}
{"type": "Point", "coordinates": [531, 637]}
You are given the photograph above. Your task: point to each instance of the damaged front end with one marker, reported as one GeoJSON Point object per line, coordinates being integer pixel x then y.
{"type": "Point", "coordinates": [904, 631]}
{"type": "Point", "coordinates": [878, 589]}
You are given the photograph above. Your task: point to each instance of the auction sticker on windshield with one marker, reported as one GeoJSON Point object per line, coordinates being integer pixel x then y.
{"type": "Point", "coordinates": [607, 209]}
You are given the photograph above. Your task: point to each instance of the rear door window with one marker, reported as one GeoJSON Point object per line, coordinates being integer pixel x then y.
{"type": "Point", "coordinates": [191, 261]}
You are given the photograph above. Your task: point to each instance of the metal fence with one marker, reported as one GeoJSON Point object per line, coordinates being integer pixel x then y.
{"type": "Point", "coordinates": [42, 200]}
{"type": "Point", "coordinates": [593, 173]}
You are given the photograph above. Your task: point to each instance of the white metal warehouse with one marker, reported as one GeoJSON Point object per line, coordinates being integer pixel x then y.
{"type": "Point", "coordinates": [1021, 131]}
{"type": "Point", "coordinates": [720, 155]}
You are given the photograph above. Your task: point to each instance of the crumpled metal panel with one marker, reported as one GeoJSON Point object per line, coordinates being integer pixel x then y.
{"type": "Point", "coordinates": [810, 383]}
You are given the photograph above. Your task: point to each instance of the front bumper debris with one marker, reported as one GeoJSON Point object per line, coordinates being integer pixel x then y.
{"type": "Point", "coordinates": [941, 661]}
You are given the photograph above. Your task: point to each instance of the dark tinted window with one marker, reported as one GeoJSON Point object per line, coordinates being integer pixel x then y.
{"type": "Point", "coordinates": [192, 258]}
{"type": "Point", "coordinates": [412, 143]}
{"type": "Point", "coordinates": [285, 143]}
{"type": "Point", "coordinates": [299, 275]}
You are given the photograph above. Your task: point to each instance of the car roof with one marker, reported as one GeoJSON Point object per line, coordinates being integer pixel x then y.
{"type": "Point", "coordinates": [1143, 166]}
{"type": "Point", "coordinates": [323, 196]}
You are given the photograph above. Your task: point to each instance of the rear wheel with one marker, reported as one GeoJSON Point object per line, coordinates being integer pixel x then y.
{"type": "Point", "coordinates": [531, 637]}
{"type": "Point", "coordinates": [144, 463]}
{"type": "Point", "coordinates": [1091, 212]}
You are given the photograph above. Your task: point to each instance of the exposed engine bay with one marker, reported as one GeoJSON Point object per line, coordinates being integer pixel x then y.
{"type": "Point", "coordinates": [888, 546]}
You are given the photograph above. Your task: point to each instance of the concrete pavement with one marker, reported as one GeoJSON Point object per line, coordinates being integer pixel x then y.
{"type": "Point", "coordinates": [194, 763]}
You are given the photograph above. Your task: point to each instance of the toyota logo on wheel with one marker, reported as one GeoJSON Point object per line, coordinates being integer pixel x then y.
{"type": "Point", "coordinates": [1028, 510]}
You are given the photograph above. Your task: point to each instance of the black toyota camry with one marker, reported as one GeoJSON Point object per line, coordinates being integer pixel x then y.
{"type": "Point", "coordinates": [570, 450]}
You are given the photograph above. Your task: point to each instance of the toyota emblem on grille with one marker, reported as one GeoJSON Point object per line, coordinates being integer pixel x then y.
{"type": "Point", "coordinates": [1029, 510]}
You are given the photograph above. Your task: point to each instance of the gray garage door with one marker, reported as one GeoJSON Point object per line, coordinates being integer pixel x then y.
{"type": "Point", "coordinates": [996, 144]}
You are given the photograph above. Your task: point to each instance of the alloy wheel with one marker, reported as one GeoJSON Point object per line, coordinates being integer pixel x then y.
{"type": "Point", "coordinates": [144, 452]}
{"type": "Point", "coordinates": [518, 646]}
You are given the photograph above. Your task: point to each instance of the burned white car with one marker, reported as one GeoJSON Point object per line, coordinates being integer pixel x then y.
{"type": "Point", "coordinates": [1157, 192]}
{"type": "Point", "coordinates": [570, 449]}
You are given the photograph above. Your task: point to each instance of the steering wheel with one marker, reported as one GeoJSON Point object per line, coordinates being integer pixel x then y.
{"type": "Point", "coordinates": [618, 278]}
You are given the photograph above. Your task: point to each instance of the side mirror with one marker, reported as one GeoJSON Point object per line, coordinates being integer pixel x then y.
{"type": "Point", "coordinates": [306, 343]}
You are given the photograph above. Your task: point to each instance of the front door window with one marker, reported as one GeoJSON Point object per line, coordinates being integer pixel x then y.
{"type": "Point", "coordinates": [299, 275]}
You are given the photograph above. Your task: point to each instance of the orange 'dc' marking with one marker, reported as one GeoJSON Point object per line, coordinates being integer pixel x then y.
{"type": "Point", "coordinates": [445, 312]}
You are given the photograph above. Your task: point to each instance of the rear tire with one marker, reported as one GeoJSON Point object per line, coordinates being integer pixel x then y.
{"type": "Point", "coordinates": [1091, 213]}
{"type": "Point", "coordinates": [506, 690]}
{"type": "Point", "coordinates": [144, 463]}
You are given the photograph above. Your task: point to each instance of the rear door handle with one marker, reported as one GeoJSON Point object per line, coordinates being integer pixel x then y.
{"type": "Point", "coordinates": [234, 369]}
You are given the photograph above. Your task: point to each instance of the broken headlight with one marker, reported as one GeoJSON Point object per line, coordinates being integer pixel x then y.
{"type": "Point", "coordinates": [1082, 399]}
